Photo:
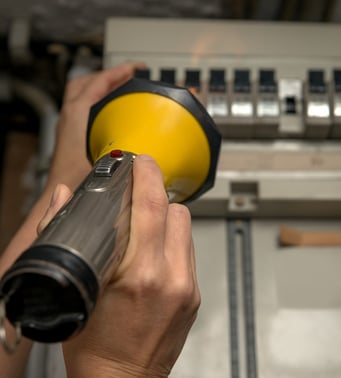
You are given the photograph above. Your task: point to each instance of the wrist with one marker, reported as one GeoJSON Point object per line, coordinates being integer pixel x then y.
{"type": "Point", "coordinates": [26, 234]}
{"type": "Point", "coordinates": [102, 368]}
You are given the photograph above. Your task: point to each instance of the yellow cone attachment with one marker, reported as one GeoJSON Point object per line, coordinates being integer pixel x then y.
{"type": "Point", "coordinates": [165, 122]}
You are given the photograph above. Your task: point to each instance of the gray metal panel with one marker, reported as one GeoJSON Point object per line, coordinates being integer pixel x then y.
{"type": "Point", "coordinates": [298, 304]}
{"type": "Point", "coordinates": [235, 39]}
{"type": "Point", "coordinates": [46, 361]}
{"type": "Point", "coordinates": [36, 367]}
{"type": "Point", "coordinates": [207, 351]}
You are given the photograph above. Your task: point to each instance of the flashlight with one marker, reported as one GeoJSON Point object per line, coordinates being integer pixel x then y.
{"type": "Point", "coordinates": [52, 288]}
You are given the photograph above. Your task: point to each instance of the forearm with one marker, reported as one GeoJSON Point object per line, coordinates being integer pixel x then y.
{"type": "Point", "coordinates": [26, 234]}
{"type": "Point", "coordinates": [69, 166]}
{"type": "Point", "coordinates": [13, 365]}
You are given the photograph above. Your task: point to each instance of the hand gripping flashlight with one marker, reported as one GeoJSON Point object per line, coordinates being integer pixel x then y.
{"type": "Point", "coordinates": [52, 288]}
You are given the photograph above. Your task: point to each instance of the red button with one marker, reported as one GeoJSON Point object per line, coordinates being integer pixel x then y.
{"type": "Point", "coordinates": [116, 153]}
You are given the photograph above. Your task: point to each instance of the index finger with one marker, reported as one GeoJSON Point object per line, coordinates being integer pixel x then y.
{"type": "Point", "coordinates": [148, 215]}
{"type": "Point", "coordinates": [93, 87]}
{"type": "Point", "coordinates": [149, 205]}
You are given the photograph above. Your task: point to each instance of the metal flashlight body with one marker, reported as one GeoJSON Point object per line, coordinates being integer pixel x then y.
{"type": "Point", "coordinates": [52, 288]}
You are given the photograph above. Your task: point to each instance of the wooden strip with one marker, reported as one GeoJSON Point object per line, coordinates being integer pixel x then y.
{"type": "Point", "coordinates": [294, 237]}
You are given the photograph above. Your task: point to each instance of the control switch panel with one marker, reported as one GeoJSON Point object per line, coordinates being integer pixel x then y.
{"type": "Point", "coordinates": [336, 104]}
{"type": "Point", "coordinates": [267, 105]}
{"type": "Point", "coordinates": [317, 108]}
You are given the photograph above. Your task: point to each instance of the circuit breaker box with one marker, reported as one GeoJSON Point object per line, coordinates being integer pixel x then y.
{"type": "Point", "coordinates": [267, 235]}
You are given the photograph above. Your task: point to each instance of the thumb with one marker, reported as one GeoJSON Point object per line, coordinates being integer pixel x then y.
{"type": "Point", "coordinates": [59, 197]}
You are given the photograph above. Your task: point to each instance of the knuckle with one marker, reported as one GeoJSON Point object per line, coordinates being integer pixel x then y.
{"type": "Point", "coordinates": [149, 282]}
{"type": "Point", "coordinates": [146, 282]}
{"type": "Point", "coordinates": [185, 294]}
{"type": "Point", "coordinates": [156, 201]}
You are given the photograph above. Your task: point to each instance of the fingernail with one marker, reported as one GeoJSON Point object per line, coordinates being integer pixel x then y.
{"type": "Point", "coordinates": [44, 221]}
{"type": "Point", "coordinates": [55, 196]}
{"type": "Point", "coordinates": [41, 226]}
{"type": "Point", "coordinates": [145, 157]}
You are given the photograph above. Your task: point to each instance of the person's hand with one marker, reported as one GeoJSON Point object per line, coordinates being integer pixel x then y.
{"type": "Point", "coordinates": [69, 164]}
{"type": "Point", "coordinates": [143, 316]}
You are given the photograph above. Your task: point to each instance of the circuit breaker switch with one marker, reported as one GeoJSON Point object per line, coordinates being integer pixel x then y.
{"type": "Point", "coordinates": [142, 73]}
{"type": "Point", "coordinates": [316, 81]}
{"type": "Point", "coordinates": [267, 105]}
{"type": "Point", "coordinates": [242, 102]}
{"type": "Point", "coordinates": [217, 99]}
{"type": "Point", "coordinates": [317, 112]}
{"type": "Point", "coordinates": [267, 82]}
{"type": "Point", "coordinates": [337, 93]}
{"type": "Point", "coordinates": [242, 82]}
{"type": "Point", "coordinates": [168, 76]}
{"type": "Point", "coordinates": [290, 92]}
{"type": "Point", "coordinates": [217, 81]}
{"type": "Point", "coordinates": [336, 104]}
{"type": "Point", "coordinates": [267, 95]}
{"type": "Point", "coordinates": [337, 80]}
{"type": "Point", "coordinates": [192, 80]}
{"type": "Point", "coordinates": [242, 106]}
{"type": "Point", "coordinates": [290, 105]}
{"type": "Point", "coordinates": [317, 100]}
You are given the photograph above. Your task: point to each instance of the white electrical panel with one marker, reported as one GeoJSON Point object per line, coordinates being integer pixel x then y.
{"type": "Point", "coordinates": [274, 90]}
